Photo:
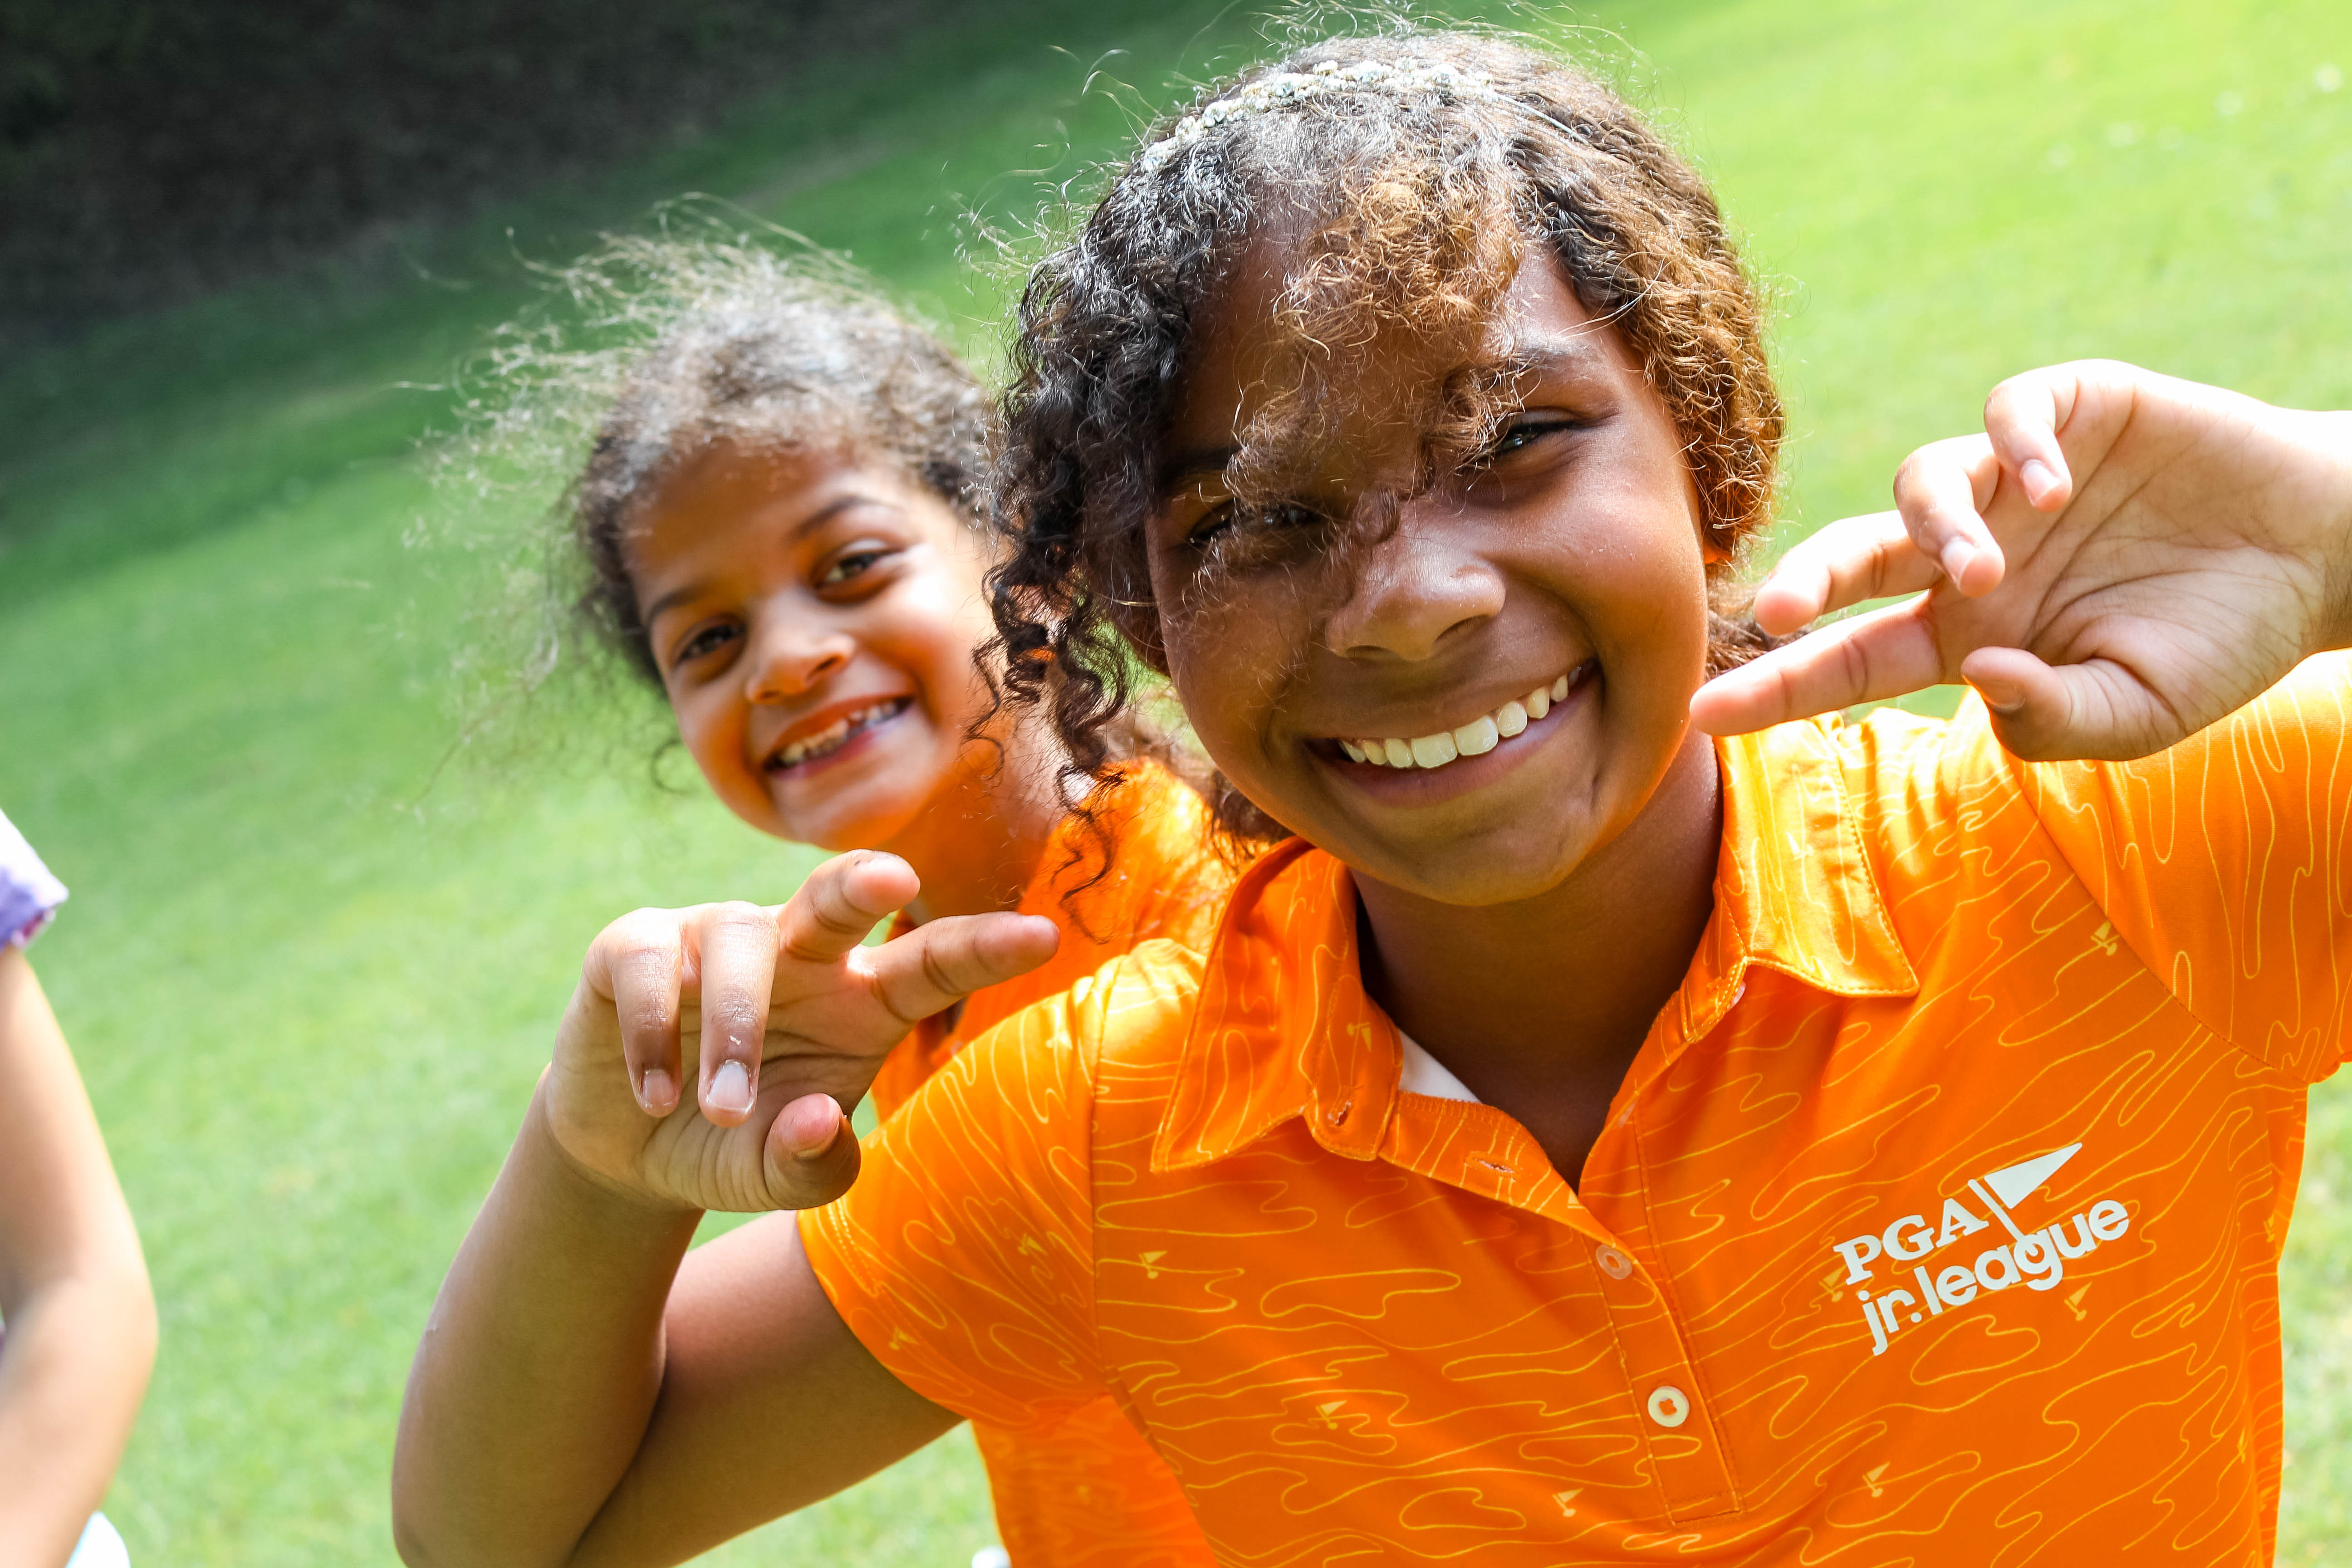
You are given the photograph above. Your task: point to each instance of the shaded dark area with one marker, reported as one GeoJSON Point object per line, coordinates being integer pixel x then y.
{"type": "Point", "coordinates": [150, 149]}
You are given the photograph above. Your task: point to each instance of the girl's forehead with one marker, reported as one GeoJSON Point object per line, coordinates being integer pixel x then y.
{"type": "Point", "coordinates": [729, 497]}
{"type": "Point", "coordinates": [1251, 368]}
{"type": "Point", "coordinates": [731, 472]}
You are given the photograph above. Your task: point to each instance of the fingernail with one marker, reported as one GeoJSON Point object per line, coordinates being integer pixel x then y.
{"type": "Point", "coordinates": [1956, 556]}
{"type": "Point", "coordinates": [2038, 478]}
{"type": "Point", "coordinates": [814, 1129]}
{"type": "Point", "coordinates": [730, 1088]}
{"type": "Point", "coordinates": [2000, 696]}
{"type": "Point", "coordinates": [657, 1094]}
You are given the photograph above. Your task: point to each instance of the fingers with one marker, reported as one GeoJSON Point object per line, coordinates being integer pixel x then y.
{"type": "Point", "coordinates": [2042, 712]}
{"type": "Point", "coordinates": [1852, 560]}
{"type": "Point", "coordinates": [810, 1156]}
{"type": "Point", "coordinates": [736, 962]}
{"type": "Point", "coordinates": [2022, 419]}
{"type": "Point", "coordinates": [1884, 654]}
{"type": "Point", "coordinates": [943, 960]}
{"type": "Point", "coordinates": [638, 962]}
{"type": "Point", "coordinates": [1941, 492]}
{"type": "Point", "coordinates": [842, 902]}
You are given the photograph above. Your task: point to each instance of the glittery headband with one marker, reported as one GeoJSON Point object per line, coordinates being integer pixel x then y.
{"type": "Point", "coordinates": [1285, 90]}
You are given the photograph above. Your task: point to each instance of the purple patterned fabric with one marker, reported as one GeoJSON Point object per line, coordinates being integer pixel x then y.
{"type": "Point", "coordinates": [29, 894]}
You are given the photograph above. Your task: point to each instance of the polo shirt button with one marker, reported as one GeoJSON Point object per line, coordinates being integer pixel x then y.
{"type": "Point", "coordinates": [1613, 1263]}
{"type": "Point", "coordinates": [1668, 1406]}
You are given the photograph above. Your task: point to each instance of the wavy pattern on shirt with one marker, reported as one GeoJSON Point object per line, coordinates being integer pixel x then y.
{"type": "Point", "coordinates": [1943, 994]}
{"type": "Point", "coordinates": [1087, 1491]}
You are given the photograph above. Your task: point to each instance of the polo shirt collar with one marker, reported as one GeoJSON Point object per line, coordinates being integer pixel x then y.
{"type": "Point", "coordinates": [1284, 1027]}
{"type": "Point", "coordinates": [1793, 887]}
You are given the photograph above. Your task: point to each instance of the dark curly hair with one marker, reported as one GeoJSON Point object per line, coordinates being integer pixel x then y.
{"type": "Point", "coordinates": [1407, 183]}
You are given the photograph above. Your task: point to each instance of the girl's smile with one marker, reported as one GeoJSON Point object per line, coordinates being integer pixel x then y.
{"type": "Point", "coordinates": [1449, 763]}
{"type": "Point", "coordinates": [832, 734]}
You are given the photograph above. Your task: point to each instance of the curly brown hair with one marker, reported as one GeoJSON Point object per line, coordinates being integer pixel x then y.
{"type": "Point", "coordinates": [1405, 205]}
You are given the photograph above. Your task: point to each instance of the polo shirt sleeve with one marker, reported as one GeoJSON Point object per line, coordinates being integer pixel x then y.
{"type": "Point", "coordinates": [2225, 863]}
{"type": "Point", "coordinates": [963, 1256]}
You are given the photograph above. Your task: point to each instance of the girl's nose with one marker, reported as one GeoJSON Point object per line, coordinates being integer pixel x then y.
{"type": "Point", "coordinates": [790, 660]}
{"type": "Point", "coordinates": [1412, 590]}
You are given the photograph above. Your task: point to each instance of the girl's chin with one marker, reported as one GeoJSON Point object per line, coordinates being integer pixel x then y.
{"type": "Point", "coordinates": [1478, 875]}
{"type": "Point", "coordinates": [865, 803]}
{"type": "Point", "coordinates": [854, 825]}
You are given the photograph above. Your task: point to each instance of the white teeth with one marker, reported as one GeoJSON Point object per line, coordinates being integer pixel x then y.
{"type": "Point", "coordinates": [1434, 751]}
{"type": "Point", "coordinates": [835, 735]}
{"type": "Point", "coordinates": [1475, 739]}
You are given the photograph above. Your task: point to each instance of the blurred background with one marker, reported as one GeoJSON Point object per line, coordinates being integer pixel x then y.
{"type": "Point", "coordinates": [327, 903]}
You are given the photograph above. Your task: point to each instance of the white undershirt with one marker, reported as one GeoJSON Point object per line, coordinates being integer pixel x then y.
{"type": "Point", "coordinates": [1425, 1074]}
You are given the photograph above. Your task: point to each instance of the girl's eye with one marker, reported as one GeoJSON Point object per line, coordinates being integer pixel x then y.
{"type": "Point", "coordinates": [1213, 522]}
{"type": "Point", "coordinates": [703, 644]}
{"type": "Point", "coordinates": [856, 563]}
{"type": "Point", "coordinates": [1521, 435]}
{"type": "Point", "coordinates": [1228, 518]}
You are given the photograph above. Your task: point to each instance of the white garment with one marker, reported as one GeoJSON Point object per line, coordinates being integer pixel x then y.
{"type": "Point", "coordinates": [101, 1546]}
{"type": "Point", "coordinates": [1425, 1074]}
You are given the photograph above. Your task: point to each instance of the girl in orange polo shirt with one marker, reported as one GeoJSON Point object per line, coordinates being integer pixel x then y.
{"type": "Point", "coordinates": [1584, 1139]}
{"type": "Point", "coordinates": [774, 515]}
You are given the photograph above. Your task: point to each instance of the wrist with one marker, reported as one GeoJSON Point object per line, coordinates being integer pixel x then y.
{"type": "Point", "coordinates": [582, 1185]}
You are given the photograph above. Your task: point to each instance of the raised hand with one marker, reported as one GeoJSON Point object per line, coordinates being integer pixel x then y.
{"type": "Point", "coordinates": [2120, 560]}
{"type": "Point", "coordinates": [782, 1019]}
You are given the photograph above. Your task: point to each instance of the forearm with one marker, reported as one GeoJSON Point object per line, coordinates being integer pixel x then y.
{"type": "Point", "coordinates": [764, 1386]}
{"type": "Point", "coordinates": [73, 1288]}
{"type": "Point", "coordinates": [72, 1371]}
{"type": "Point", "coordinates": [540, 1367]}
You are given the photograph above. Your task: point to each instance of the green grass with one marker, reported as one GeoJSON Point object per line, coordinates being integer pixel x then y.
{"type": "Point", "coordinates": [310, 994]}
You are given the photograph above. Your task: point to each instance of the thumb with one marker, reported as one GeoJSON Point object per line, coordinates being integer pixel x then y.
{"type": "Point", "coordinates": [941, 962]}
{"type": "Point", "coordinates": [2046, 713]}
{"type": "Point", "coordinates": [810, 1156]}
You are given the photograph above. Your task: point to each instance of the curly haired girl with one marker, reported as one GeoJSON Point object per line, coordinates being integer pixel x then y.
{"type": "Point", "coordinates": [1584, 1139]}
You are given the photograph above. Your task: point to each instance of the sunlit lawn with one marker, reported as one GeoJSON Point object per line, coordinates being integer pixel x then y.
{"type": "Point", "coordinates": [310, 993]}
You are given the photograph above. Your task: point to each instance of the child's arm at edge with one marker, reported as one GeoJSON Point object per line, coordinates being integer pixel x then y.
{"type": "Point", "coordinates": [73, 1287]}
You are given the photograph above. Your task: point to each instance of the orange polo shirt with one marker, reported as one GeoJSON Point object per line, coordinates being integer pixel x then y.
{"type": "Point", "coordinates": [1937, 1220]}
{"type": "Point", "coordinates": [1085, 1490]}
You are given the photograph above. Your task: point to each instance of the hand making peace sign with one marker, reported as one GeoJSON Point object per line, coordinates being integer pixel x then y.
{"type": "Point", "coordinates": [2120, 560]}
{"type": "Point", "coordinates": [780, 1017]}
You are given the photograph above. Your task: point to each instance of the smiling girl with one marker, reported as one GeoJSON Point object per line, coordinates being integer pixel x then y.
{"type": "Point", "coordinates": [775, 517]}
{"type": "Point", "coordinates": [1583, 1139]}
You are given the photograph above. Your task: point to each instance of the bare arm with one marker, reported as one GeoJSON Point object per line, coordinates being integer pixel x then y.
{"type": "Point", "coordinates": [572, 1405]}
{"type": "Point", "coordinates": [73, 1289]}
{"type": "Point", "coordinates": [582, 1398]}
